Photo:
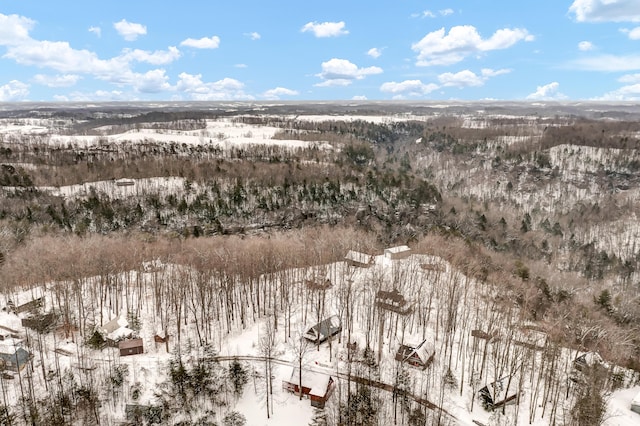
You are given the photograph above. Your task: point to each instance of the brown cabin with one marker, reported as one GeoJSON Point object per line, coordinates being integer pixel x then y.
{"type": "Point", "coordinates": [131, 347]}
{"type": "Point", "coordinates": [318, 387]}
{"type": "Point", "coordinates": [393, 301]}
{"type": "Point", "coordinates": [420, 356]}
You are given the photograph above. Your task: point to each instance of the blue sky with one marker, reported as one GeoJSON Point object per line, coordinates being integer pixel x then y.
{"type": "Point", "coordinates": [331, 50]}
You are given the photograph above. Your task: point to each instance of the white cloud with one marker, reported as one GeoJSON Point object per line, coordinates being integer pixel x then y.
{"type": "Point", "coordinates": [548, 92]}
{"type": "Point", "coordinates": [202, 43]}
{"type": "Point", "coordinates": [241, 66]}
{"type": "Point", "coordinates": [96, 30]}
{"type": "Point", "coordinates": [153, 81]}
{"type": "Point", "coordinates": [159, 57]}
{"type": "Point", "coordinates": [608, 63]}
{"type": "Point", "coordinates": [374, 52]}
{"type": "Point", "coordinates": [253, 36]}
{"type": "Point", "coordinates": [359, 98]}
{"type": "Point", "coordinates": [468, 78]}
{"type": "Point", "coordinates": [14, 29]}
{"type": "Point", "coordinates": [66, 80]}
{"type": "Point", "coordinates": [325, 29]}
{"type": "Point", "coordinates": [629, 92]}
{"type": "Point", "coordinates": [429, 14]}
{"type": "Point", "coordinates": [14, 91]}
{"type": "Point", "coordinates": [61, 57]}
{"type": "Point", "coordinates": [130, 31]}
{"type": "Point", "coordinates": [630, 78]}
{"type": "Point", "coordinates": [606, 10]}
{"type": "Point", "coordinates": [408, 88]}
{"type": "Point", "coordinates": [464, 78]}
{"type": "Point", "coordinates": [438, 48]}
{"type": "Point", "coordinates": [634, 34]}
{"type": "Point", "coordinates": [585, 46]}
{"type": "Point", "coordinates": [341, 72]}
{"type": "Point", "coordinates": [225, 89]}
{"type": "Point", "coordinates": [279, 91]}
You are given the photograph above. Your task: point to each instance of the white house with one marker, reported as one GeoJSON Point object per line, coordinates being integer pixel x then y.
{"type": "Point", "coordinates": [398, 252]}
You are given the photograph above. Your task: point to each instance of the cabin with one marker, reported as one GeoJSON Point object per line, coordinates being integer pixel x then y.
{"type": "Point", "coordinates": [29, 306]}
{"type": "Point", "coordinates": [318, 387]}
{"type": "Point", "coordinates": [496, 394]}
{"type": "Point", "coordinates": [13, 358]}
{"type": "Point", "coordinates": [586, 360]}
{"type": "Point", "coordinates": [131, 347]}
{"type": "Point", "coordinates": [115, 330]}
{"type": "Point", "coordinates": [40, 322]}
{"type": "Point", "coordinates": [324, 330]}
{"type": "Point", "coordinates": [359, 260]}
{"type": "Point", "coordinates": [419, 356]}
{"type": "Point", "coordinates": [125, 182]}
{"type": "Point", "coordinates": [318, 284]}
{"type": "Point", "coordinates": [635, 404]}
{"type": "Point", "coordinates": [531, 337]}
{"type": "Point", "coordinates": [393, 301]}
{"type": "Point", "coordinates": [397, 253]}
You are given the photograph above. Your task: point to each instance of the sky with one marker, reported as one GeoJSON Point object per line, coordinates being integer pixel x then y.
{"type": "Point", "coordinates": [141, 50]}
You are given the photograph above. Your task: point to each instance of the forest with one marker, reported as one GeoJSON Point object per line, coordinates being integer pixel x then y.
{"type": "Point", "coordinates": [217, 238]}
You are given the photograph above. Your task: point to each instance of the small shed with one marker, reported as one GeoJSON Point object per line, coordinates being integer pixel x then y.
{"type": "Point", "coordinates": [358, 259]}
{"type": "Point", "coordinates": [420, 356]}
{"type": "Point", "coordinates": [586, 360]}
{"type": "Point", "coordinates": [635, 404]}
{"type": "Point", "coordinates": [497, 394]}
{"type": "Point", "coordinates": [531, 337]}
{"type": "Point", "coordinates": [131, 347]}
{"type": "Point", "coordinates": [318, 387]}
{"type": "Point", "coordinates": [13, 358]}
{"type": "Point", "coordinates": [393, 301]}
{"type": "Point", "coordinates": [323, 330]}
{"type": "Point", "coordinates": [398, 252]}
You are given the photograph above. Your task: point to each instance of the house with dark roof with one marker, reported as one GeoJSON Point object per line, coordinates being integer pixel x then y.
{"type": "Point", "coordinates": [420, 356]}
{"type": "Point", "coordinates": [324, 330]}
{"type": "Point", "coordinates": [13, 358]}
{"type": "Point", "coordinates": [393, 301]}
{"type": "Point", "coordinates": [130, 347]}
{"type": "Point", "coordinates": [497, 394]}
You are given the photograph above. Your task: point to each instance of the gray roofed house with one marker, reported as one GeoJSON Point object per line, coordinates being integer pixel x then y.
{"type": "Point", "coordinates": [14, 359]}
{"type": "Point", "coordinates": [323, 330]}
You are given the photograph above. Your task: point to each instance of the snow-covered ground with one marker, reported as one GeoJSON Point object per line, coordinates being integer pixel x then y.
{"type": "Point", "coordinates": [435, 290]}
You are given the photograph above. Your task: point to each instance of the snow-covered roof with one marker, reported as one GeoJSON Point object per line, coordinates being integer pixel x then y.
{"type": "Point", "coordinates": [114, 324]}
{"type": "Point", "coordinates": [397, 249]}
{"type": "Point", "coordinates": [636, 401]}
{"type": "Point", "coordinates": [423, 351]}
{"type": "Point", "coordinates": [120, 333]}
{"type": "Point", "coordinates": [317, 382]}
{"type": "Point", "coordinates": [359, 257]}
{"type": "Point", "coordinates": [324, 329]}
